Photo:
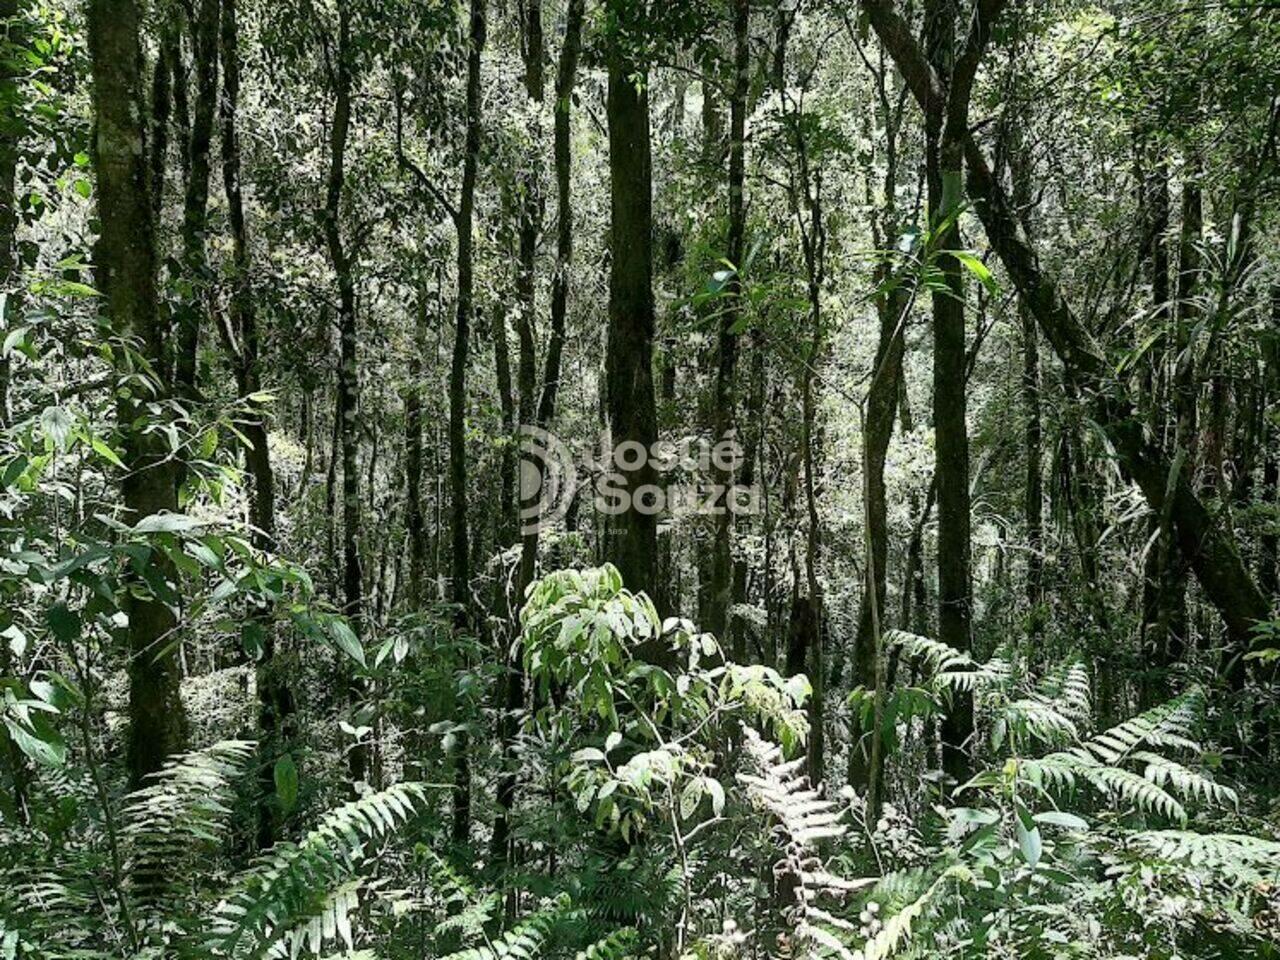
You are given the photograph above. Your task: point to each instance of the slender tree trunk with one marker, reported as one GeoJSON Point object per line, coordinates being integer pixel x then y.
{"type": "Point", "coordinates": [195, 214]}
{"type": "Point", "coordinates": [461, 561]}
{"type": "Point", "coordinates": [505, 520]}
{"type": "Point", "coordinates": [725, 399]}
{"type": "Point", "coordinates": [348, 365]}
{"type": "Point", "coordinates": [878, 420]}
{"type": "Point", "coordinates": [125, 259]}
{"type": "Point", "coordinates": [10, 136]}
{"type": "Point", "coordinates": [276, 706]}
{"type": "Point", "coordinates": [1269, 543]}
{"type": "Point", "coordinates": [161, 108]}
{"type": "Point", "coordinates": [415, 524]}
{"type": "Point", "coordinates": [630, 405]}
{"type": "Point", "coordinates": [513, 686]}
{"type": "Point", "coordinates": [943, 173]}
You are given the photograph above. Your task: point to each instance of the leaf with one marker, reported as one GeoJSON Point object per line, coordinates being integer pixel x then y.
{"type": "Point", "coordinates": [979, 270]}
{"type": "Point", "coordinates": [346, 639]}
{"type": "Point", "coordinates": [63, 623]}
{"type": "Point", "coordinates": [286, 778]}
{"type": "Point", "coordinates": [1060, 818]}
{"type": "Point", "coordinates": [690, 797]}
{"type": "Point", "coordinates": [1029, 843]}
{"type": "Point", "coordinates": [166, 522]}
{"type": "Point", "coordinates": [13, 338]}
{"type": "Point", "coordinates": [101, 448]}
{"type": "Point", "coordinates": [587, 754]}
{"type": "Point", "coordinates": [55, 422]}
{"type": "Point", "coordinates": [41, 742]}
{"type": "Point", "coordinates": [717, 795]}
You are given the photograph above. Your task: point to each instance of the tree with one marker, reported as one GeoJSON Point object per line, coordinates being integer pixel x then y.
{"type": "Point", "coordinates": [629, 401]}
{"type": "Point", "coordinates": [126, 275]}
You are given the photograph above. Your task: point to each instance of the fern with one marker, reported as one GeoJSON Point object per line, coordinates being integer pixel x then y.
{"type": "Point", "coordinates": [1242, 858]}
{"type": "Point", "coordinates": [1189, 784]}
{"type": "Point", "coordinates": [898, 928]}
{"type": "Point", "coordinates": [294, 886]}
{"type": "Point", "coordinates": [804, 817]}
{"type": "Point", "coordinates": [615, 946]}
{"type": "Point", "coordinates": [174, 820]}
{"type": "Point", "coordinates": [1064, 770]}
{"type": "Point", "coordinates": [524, 940]}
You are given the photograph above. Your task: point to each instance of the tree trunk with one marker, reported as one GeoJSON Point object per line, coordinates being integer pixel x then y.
{"type": "Point", "coordinates": [10, 136]}
{"type": "Point", "coordinates": [348, 368]}
{"type": "Point", "coordinates": [461, 563]}
{"type": "Point", "coordinates": [276, 706]}
{"type": "Point", "coordinates": [195, 213]}
{"type": "Point", "coordinates": [415, 524]}
{"type": "Point", "coordinates": [943, 173]}
{"type": "Point", "coordinates": [125, 259]}
{"type": "Point", "coordinates": [725, 399]}
{"type": "Point", "coordinates": [630, 405]}
{"type": "Point", "coordinates": [1269, 543]}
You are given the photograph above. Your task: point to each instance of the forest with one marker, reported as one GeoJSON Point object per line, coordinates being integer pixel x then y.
{"type": "Point", "coordinates": [621, 480]}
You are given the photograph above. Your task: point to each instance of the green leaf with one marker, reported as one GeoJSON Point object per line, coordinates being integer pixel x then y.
{"type": "Point", "coordinates": [166, 522]}
{"type": "Point", "coordinates": [346, 639]}
{"type": "Point", "coordinates": [63, 623]}
{"type": "Point", "coordinates": [40, 742]}
{"type": "Point", "coordinates": [286, 778]}
{"type": "Point", "coordinates": [979, 270]}
{"type": "Point", "coordinates": [690, 797]}
{"type": "Point", "coordinates": [102, 449]}
{"type": "Point", "coordinates": [56, 424]}
{"type": "Point", "coordinates": [1029, 843]}
{"type": "Point", "coordinates": [1060, 818]}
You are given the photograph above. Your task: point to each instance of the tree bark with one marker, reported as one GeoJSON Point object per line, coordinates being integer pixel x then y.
{"type": "Point", "coordinates": [348, 400]}
{"type": "Point", "coordinates": [10, 138]}
{"type": "Point", "coordinates": [630, 405]}
{"type": "Point", "coordinates": [415, 524]}
{"type": "Point", "coordinates": [461, 560]}
{"type": "Point", "coordinates": [276, 705]}
{"type": "Point", "coordinates": [195, 212]}
{"type": "Point", "coordinates": [1269, 543]}
{"type": "Point", "coordinates": [943, 163]}
{"type": "Point", "coordinates": [724, 419]}
{"type": "Point", "coordinates": [125, 258]}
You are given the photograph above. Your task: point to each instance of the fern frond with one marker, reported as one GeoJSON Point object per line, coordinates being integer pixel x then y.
{"type": "Point", "coordinates": [1240, 857]}
{"type": "Point", "coordinates": [899, 928]}
{"type": "Point", "coordinates": [1042, 719]}
{"type": "Point", "coordinates": [293, 884]}
{"type": "Point", "coordinates": [780, 788]}
{"type": "Point", "coordinates": [331, 921]}
{"type": "Point", "coordinates": [180, 815]}
{"type": "Point", "coordinates": [1062, 770]}
{"type": "Point", "coordinates": [522, 941]}
{"type": "Point", "coordinates": [1067, 688]}
{"type": "Point", "coordinates": [805, 817]}
{"type": "Point", "coordinates": [1169, 724]}
{"type": "Point", "coordinates": [1189, 784]}
{"type": "Point", "coordinates": [934, 654]}
{"type": "Point", "coordinates": [615, 946]}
